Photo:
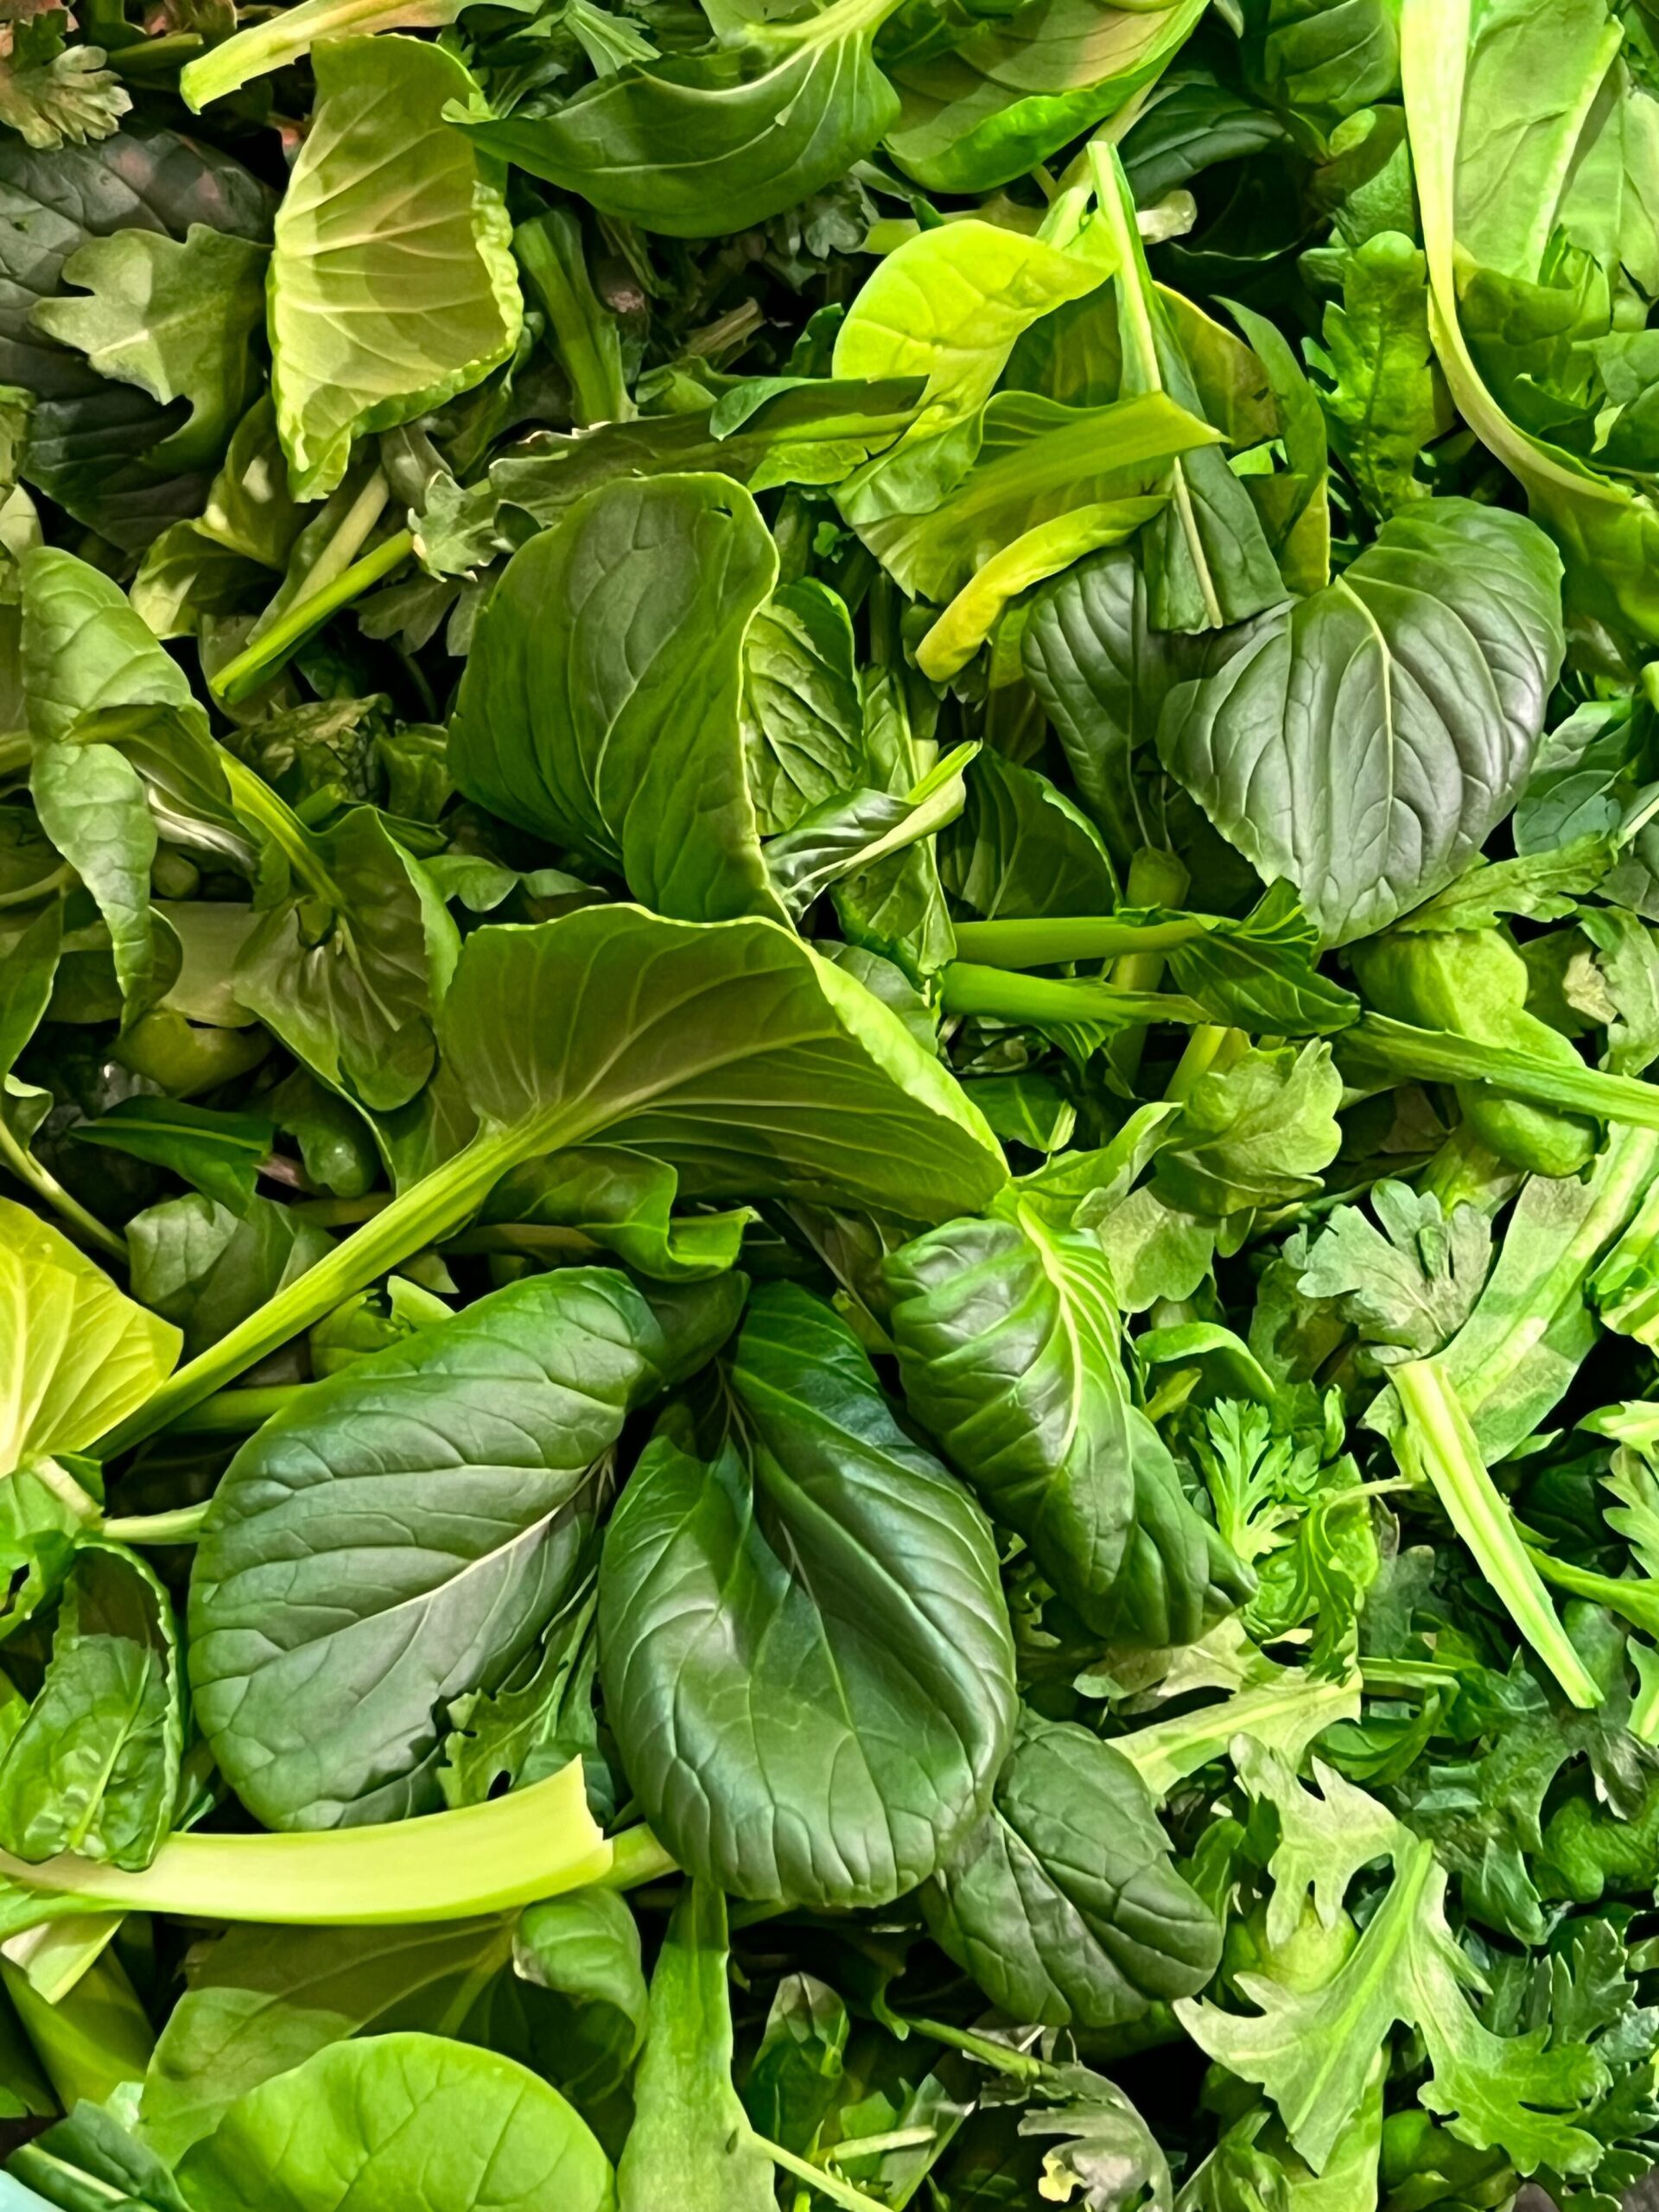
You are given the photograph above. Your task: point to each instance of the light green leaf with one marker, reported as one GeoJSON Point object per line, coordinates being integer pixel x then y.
{"type": "Point", "coordinates": [85, 650]}
{"type": "Point", "coordinates": [1034, 556]}
{"type": "Point", "coordinates": [691, 2144]}
{"type": "Point", "coordinates": [1408, 1286]}
{"type": "Point", "coordinates": [260, 2001]}
{"type": "Point", "coordinates": [1385, 400]}
{"type": "Point", "coordinates": [91, 802]}
{"type": "Point", "coordinates": [948, 305]}
{"type": "Point", "coordinates": [411, 2120]}
{"type": "Point", "coordinates": [703, 143]}
{"type": "Point", "coordinates": [1206, 560]}
{"type": "Point", "coordinates": [1035, 460]}
{"type": "Point", "coordinates": [79, 1356]}
{"type": "Point", "coordinates": [392, 284]}
{"type": "Point", "coordinates": [1256, 1133]}
{"type": "Point", "coordinates": [279, 40]}
{"type": "Point", "coordinates": [94, 1767]}
{"type": "Point", "coordinates": [1312, 2049]}
{"type": "Point", "coordinates": [1437, 1442]}
{"type": "Point", "coordinates": [1536, 1318]}
{"type": "Point", "coordinates": [1016, 89]}
{"type": "Point", "coordinates": [56, 97]}
{"type": "Point", "coordinates": [1607, 532]}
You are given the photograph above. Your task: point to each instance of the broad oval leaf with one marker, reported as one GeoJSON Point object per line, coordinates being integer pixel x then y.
{"type": "Point", "coordinates": [621, 1201]}
{"type": "Point", "coordinates": [392, 283]}
{"type": "Point", "coordinates": [350, 958]}
{"type": "Point", "coordinates": [1102, 672]}
{"type": "Point", "coordinates": [402, 1534]}
{"type": "Point", "coordinates": [730, 1050]}
{"type": "Point", "coordinates": [582, 1952]}
{"type": "Point", "coordinates": [756, 1067]}
{"type": "Point", "coordinates": [803, 721]}
{"type": "Point", "coordinates": [1020, 848]}
{"type": "Point", "coordinates": [412, 2122]}
{"type": "Point", "coordinates": [806, 1657]}
{"type": "Point", "coordinates": [1364, 743]}
{"type": "Point", "coordinates": [261, 2000]}
{"type": "Point", "coordinates": [703, 143]}
{"type": "Point", "coordinates": [1007, 1340]}
{"type": "Point", "coordinates": [950, 303]}
{"type": "Point", "coordinates": [1064, 1905]}
{"type": "Point", "coordinates": [85, 650]}
{"type": "Point", "coordinates": [601, 705]}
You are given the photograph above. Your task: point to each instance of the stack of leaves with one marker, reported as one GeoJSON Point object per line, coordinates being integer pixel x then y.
{"type": "Point", "coordinates": [828, 1207]}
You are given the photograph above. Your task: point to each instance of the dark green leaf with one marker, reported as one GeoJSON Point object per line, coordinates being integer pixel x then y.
{"type": "Point", "coordinates": [1364, 743]}
{"type": "Point", "coordinates": [792, 1733]}
{"type": "Point", "coordinates": [423, 1513]}
{"type": "Point", "coordinates": [1062, 1904]}
{"type": "Point", "coordinates": [94, 1767]}
{"type": "Point", "coordinates": [218, 1153]}
{"type": "Point", "coordinates": [622, 735]}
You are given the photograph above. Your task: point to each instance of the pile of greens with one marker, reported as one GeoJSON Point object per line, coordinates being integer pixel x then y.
{"type": "Point", "coordinates": [828, 1213]}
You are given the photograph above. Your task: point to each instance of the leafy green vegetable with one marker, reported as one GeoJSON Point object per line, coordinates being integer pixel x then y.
{"type": "Point", "coordinates": [1414, 729]}
{"type": "Point", "coordinates": [421, 227]}
{"type": "Point", "coordinates": [707, 142]}
{"type": "Point", "coordinates": [472, 1454]}
{"type": "Point", "coordinates": [1312, 2046]}
{"type": "Point", "coordinates": [839, 1099]}
{"type": "Point", "coordinates": [1006, 1337]}
{"type": "Point", "coordinates": [173, 316]}
{"type": "Point", "coordinates": [1022, 83]}
{"type": "Point", "coordinates": [93, 1765]}
{"type": "Point", "coordinates": [80, 1356]}
{"type": "Point", "coordinates": [742, 1632]}
{"type": "Point", "coordinates": [830, 845]}
{"type": "Point", "coordinates": [601, 730]}
{"type": "Point", "coordinates": [1063, 1904]}
{"type": "Point", "coordinates": [691, 2136]}
{"type": "Point", "coordinates": [359, 2117]}
{"type": "Point", "coordinates": [1438, 1441]}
